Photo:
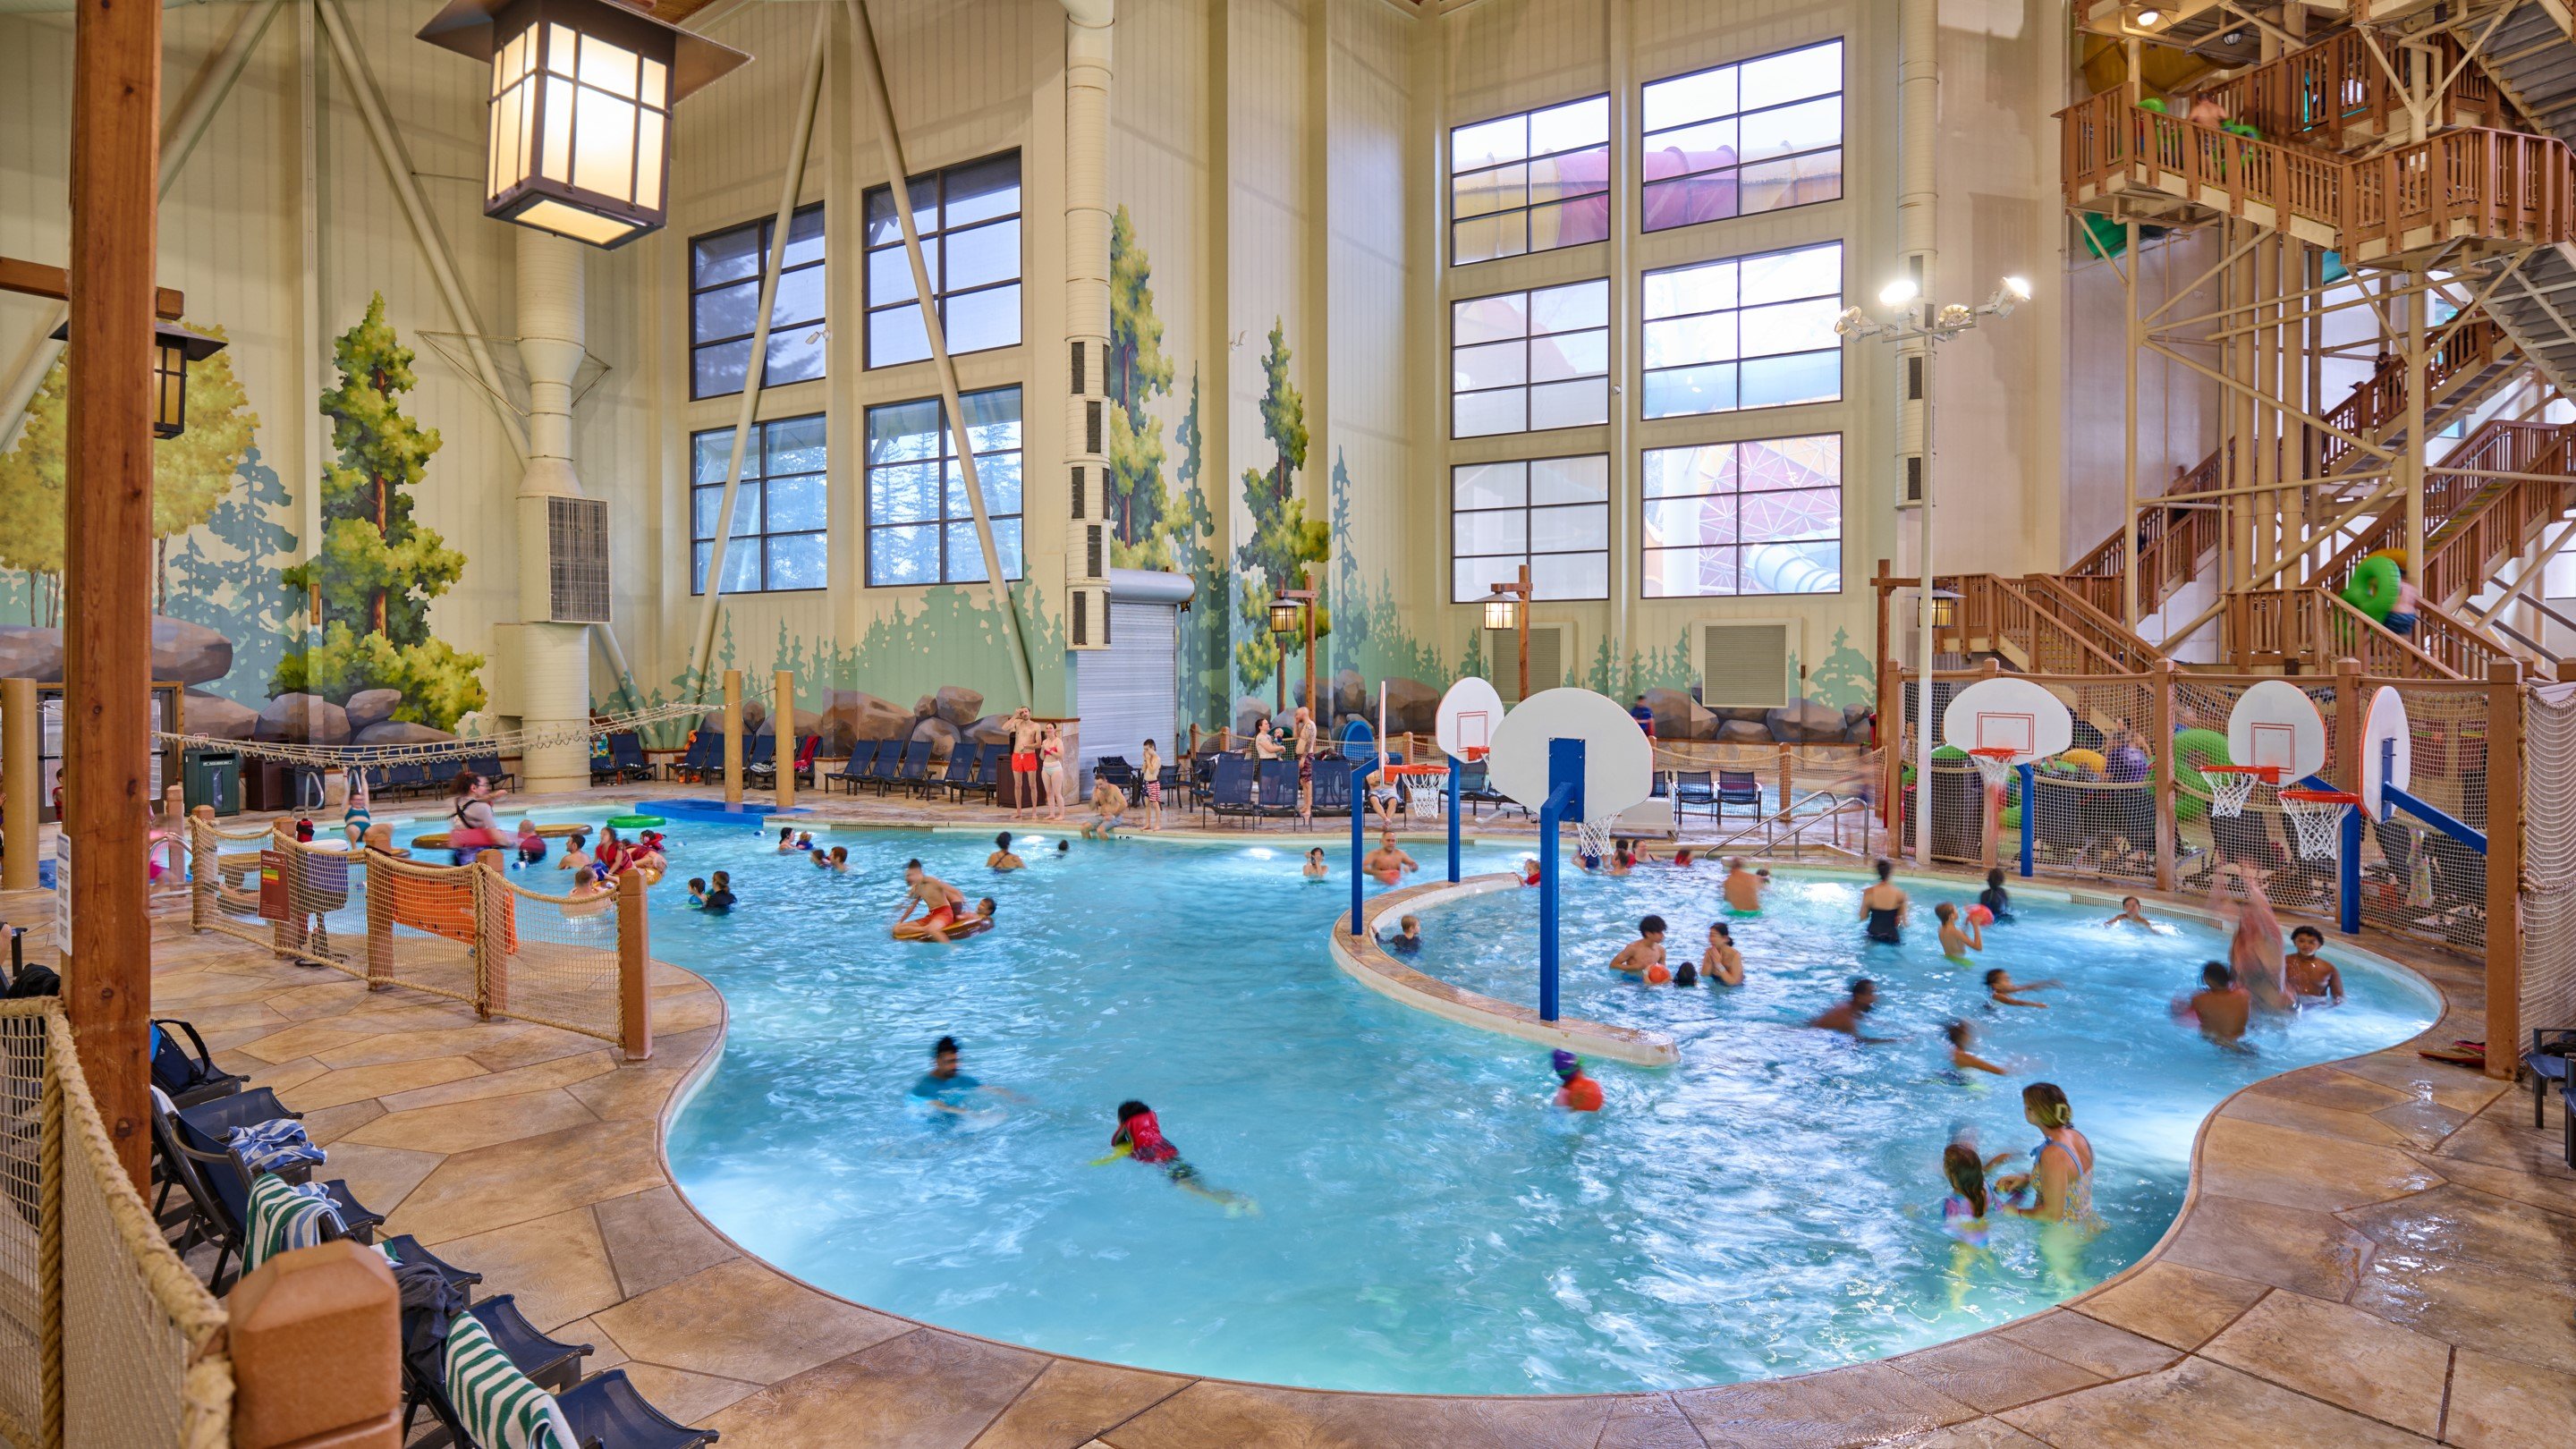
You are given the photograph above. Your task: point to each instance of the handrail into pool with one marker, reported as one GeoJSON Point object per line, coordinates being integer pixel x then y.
{"type": "Point", "coordinates": [1365, 961]}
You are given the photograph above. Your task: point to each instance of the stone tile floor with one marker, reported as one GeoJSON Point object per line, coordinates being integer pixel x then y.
{"type": "Point", "coordinates": [2374, 1252]}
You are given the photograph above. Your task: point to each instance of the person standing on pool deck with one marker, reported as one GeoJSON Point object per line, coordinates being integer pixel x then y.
{"type": "Point", "coordinates": [1846, 1015]}
{"type": "Point", "coordinates": [1575, 1092]}
{"type": "Point", "coordinates": [1051, 770]}
{"type": "Point", "coordinates": [940, 899]}
{"type": "Point", "coordinates": [1644, 956]}
{"type": "Point", "coordinates": [1024, 762]}
{"type": "Point", "coordinates": [1743, 889]}
{"type": "Point", "coordinates": [1884, 907]}
{"type": "Point", "coordinates": [1002, 858]}
{"type": "Point", "coordinates": [1149, 778]}
{"type": "Point", "coordinates": [2311, 976]}
{"type": "Point", "coordinates": [1304, 744]}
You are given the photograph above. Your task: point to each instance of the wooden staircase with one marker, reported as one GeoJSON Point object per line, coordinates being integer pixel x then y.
{"type": "Point", "coordinates": [2304, 630]}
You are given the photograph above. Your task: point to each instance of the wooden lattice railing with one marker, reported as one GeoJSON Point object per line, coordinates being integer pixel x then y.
{"type": "Point", "coordinates": [2336, 94]}
{"type": "Point", "coordinates": [2473, 524]}
{"type": "Point", "coordinates": [2312, 627]}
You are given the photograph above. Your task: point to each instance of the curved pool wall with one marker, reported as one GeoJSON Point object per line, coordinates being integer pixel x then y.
{"type": "Point", "coordinates": [1527, 1283]}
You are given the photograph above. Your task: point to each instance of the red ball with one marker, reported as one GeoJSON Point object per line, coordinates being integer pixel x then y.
{"type": "Point", "coordinates": [1657, 975]}
{"type": "Point", "coordinates": [1981, 915]}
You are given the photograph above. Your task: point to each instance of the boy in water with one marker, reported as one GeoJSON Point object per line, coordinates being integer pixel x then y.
{"type": "Point", "coordinates": [2130, 915]}
{"type": "Point", "coordinates": [1963, 1055]}
{"type": "Point", "coordinates": [1002, 858]}
{"type": "Point", "coordinates": [2310, 975]}
{"type": "Point", "coordinates": [1575, 1092]}
{"type": "Point", "coordinates": [941, 901]}
{"type": "Point", "coordinates": [1141, 1138]}
{"type": "Point", "coordinates": [1640, 957]}
{"type": "Point", "coordinates": [1407, 940]}
{"type": "Point", "coordinates": [1957, 942]}
{"type": "Point", "coordinates": [2222, 1006]}
{"type": "Point", "coordinates": [1743, 889]}
{"type": "Point", "coordinates": [697, 892]}
{"type": "Point", "coordinates": [2002, 990]}
{"type": "Point", "coordinates": [1846, 1016]}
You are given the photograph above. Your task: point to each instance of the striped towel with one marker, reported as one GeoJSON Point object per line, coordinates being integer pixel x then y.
{"type": "Point", "coordinates": [498, 1405]}
{"type": "Point", "coordinates": [274, 1146]}
{"type": "Point", "coordinates": [284, 1218]}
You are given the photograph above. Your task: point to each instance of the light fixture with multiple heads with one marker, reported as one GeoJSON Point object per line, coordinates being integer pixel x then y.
{"type": "Point", "coordinates": [173, 348]}
{"type": "Point", "coordinates": [1916, 318]}
{"type": "Point", "coordinates": [578, 140]}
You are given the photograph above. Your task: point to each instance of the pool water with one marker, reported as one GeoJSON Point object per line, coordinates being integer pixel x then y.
{"type": "Point", "coordinates": [1426, 1222]}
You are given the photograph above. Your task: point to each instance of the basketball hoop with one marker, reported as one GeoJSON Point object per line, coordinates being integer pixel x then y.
{"type": "Point", "coordinates": [1593, 840]}
{"type": "Point", "coordinates": [1996, 763]}
{"type": "Point", "coordinates": [2317, 817]}
{"type": "Point", "coordinates": [1422, 787]}
{"type": "Point", "coordinates": [2230, 786]}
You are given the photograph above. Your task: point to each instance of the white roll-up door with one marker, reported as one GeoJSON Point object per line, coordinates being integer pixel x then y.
{"type": "Point", "coordinates": [1128, 693]}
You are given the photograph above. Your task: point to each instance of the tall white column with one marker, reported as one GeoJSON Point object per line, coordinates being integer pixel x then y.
{"type": "Point", "coordinates": [1086, 318]}
{"type": "Point", "coordinates": [554, 659]}
{"type": "Point", "coordinates": [1917, 142]}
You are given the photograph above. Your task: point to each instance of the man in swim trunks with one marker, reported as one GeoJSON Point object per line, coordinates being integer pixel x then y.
{"type": "Point", "coordinates": [1304, 744]}
{"type": "Point", "coordinates": [1743, 889]}
{"type": "Point", "coordinates": [1024, 763]}
{"type": "Point", "coordinates": [1386, 862]}
{"type": "Point", "coordinates": [2222, 1006]}
{"type": "Point", "coordinates": [942, 900]}
{"type": "Point", "coordinates": [2310, 975]}
{"type": "Point", "coordinates": [1642, 955]}
{"type": "Point", "coordinates": [1108, 808]}
{"type": "Point", "coordinates": [1846, 1016]}
{"type": "Point", "coordinates": [1575, 1092]}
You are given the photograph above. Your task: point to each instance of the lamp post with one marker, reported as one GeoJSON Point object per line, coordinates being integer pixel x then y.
{"type": "Point", "coordinates": [1283, 622]}
{"type": "Point", "coordinates": [1292, 610]}
{"type": "Point", "coordinates": [1913, 318]}
{"type": "Point", "coordinates": [1508, 608]}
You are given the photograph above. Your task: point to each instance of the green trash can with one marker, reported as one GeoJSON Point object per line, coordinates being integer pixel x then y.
{"type": "Point", "coordinates": [212, 777]}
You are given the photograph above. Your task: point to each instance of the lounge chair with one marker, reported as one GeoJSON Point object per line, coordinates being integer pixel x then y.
{"type": "Point", "coordinates": [762, 762]}
{"type": "Point", "coordinates": [805, 754]}
{"type": "Point", "coordinates": [1738, 787]}
{"type": "Point", "coordinates": [909, 772]}
{"type": "Point", "coordinates": [407, 1249]}
{"type": "Point", "coordinates": [1116, 770]}
{"type": "Point", "coordinates": [1476, 788]}
{"type": "Point", "coordinates": [551, 1364]}
{"type": "Point", "coordinates": [1693, 788]}
{"type": "Point", "coordinates": [1230, 790]}
{"type": "Point", "coordinates": [2547, 1061]}
{"type": "Point", "coordinates": [184, 1078]}
{"type": "Point", "coordinates": [704, 753]}
{"type": "Point", "coordinates": [1276, 793]}
{"type": "Point", "coordinates": [854, 770]}
{"type": "Point", "coordinates": [194, 1155]}
{"type": "Point", "coordinates": [988, 773]}
{"type": "Point", "coordinates": [961, 769]}
{"type": "Point", "coordinates": [625, 762]}
{"type": "Point", "coordinates": [1332, 788]}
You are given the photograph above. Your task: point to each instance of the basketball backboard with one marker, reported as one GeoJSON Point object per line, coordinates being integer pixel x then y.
{"type": "Point", "coordinates": [1618, 763]}
{"type": "Point", "coordinates": [2275, 723]}
{"type": "Point", "coordinates": [1468, 714]}
{"type": "Point", "coordinates": [2385, 722]}
{"type": "Point", "coordinates": [2009, 713]}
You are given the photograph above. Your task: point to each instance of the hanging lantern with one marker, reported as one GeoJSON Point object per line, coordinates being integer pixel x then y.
{"type": "Point", "coordinates": [173, 348]}
{"type": "Point", "coordinates": [579, 138]}
{"type": "Point", "coordinates": [1284, 616]}
{"type": "Point", "coordinates": [1503, 612]}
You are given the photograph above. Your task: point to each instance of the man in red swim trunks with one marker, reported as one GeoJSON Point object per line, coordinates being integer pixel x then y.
{"type": "Point", "coordinates": [1024, 763]}
{"type": "Point", "coordinates": [932, 894]}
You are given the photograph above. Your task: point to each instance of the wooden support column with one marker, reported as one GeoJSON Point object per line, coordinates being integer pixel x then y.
{"type": "Point", "coordinates": [782, 732]}
{"type": "Point", "coordinates": [20, 741]}
{"type": "Point", "coordinates": [2160, 762]}
{"type": "Point", "coordinates": [2504, 867]}
{"type": "Point", "coordinates": [2344, 770]}
{"type": "Point", "coordinates": [2129, 437]}
{"type": "Point", "coordinates": [316, 1344]}
{"type": "Point", "coordinates": [634, 970]}
{"type": "Point", "coordinates": [733, 736]}
{"type": "Point", "coordinates": [2410, 467]}
{"type": "Point", "coordinates": [107, 560]}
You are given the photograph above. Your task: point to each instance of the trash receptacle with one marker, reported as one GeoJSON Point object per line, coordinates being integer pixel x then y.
{"type": "Point", "coordinates": [213, 777]}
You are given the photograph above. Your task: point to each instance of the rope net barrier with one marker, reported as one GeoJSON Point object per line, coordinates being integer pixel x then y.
{"type": "Point", "coordinates": [514, 742]}
{"type": "Point", "coordinates": [2548, 887]}
{"type": "Point", "coordinates": [103, 1330]}
{"type": "Point", "coordinates": [467, 933]}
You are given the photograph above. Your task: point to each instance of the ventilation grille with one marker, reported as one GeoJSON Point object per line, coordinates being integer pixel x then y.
{"type": "Point", "coordinates": [1077, 491]}
{"type": "Point", "coordinates": [1914, 478]}
{"type": "Point", "coordinates": [1081, 619]}
{"type": "Point", "coordinates": [1913, 378]}
{"type": "Point", "coordinates": [1091, 426]}
{"type": "Point", "coordinates": [1077, 367]}
{"type": "Point", "coordinates": [1744, 665]}
{"type": "Point", "coordinates": [1096, 561]}
{"type": "Point", "coordinates": [577, 559]}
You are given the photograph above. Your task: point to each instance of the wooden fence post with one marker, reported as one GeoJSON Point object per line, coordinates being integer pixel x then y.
{"type": "Point", "coordinates": [380, 916]}
{"type": "Point", "coordinates": [733, 736]}
{"type": "Point", "coordinates": [493, 910]}
{"type": "Point", "coordinates": [2346, 744]}
{"type": "Point", "coordinates": [316, 1341]}
{"type": "Point", "coordinates": [782, 729]}
{"type": "Point", "coordinates": [634, 970]}
{"type": "Point", "coordinates": [20, 737]}
{"type": "Point", "coordinates": [2504, 867]}
{"type": "Point", "coordinates": [203, 874]}
{"type": "Point", "coordinates": [2160, 730]}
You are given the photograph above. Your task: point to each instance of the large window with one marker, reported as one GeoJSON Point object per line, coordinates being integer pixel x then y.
{"type": "Point", "coordinates": [1747, 138]}
{"type": "Point", "coordinates": [1550, 513]}
{"type": "Point", "coordinates": [1524, 362]}
{"type": "Point", "coordinates": [778, 513]}
{"type": "Point", "coordinates": [969, 220]}
{"type": "Point", "coordinates": [1747, 332]}
{"type": "Point", "coordinates": [1530, 183]}
{"type": "Point", "coordinates": [920, 528]}
{"type": "Point", "coordinates": [1762, 517]}
{"type": "Point", "coordinates": [724, 305]}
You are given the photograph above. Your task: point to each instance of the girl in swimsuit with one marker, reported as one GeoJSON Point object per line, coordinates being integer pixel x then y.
{"type": "Point", "coordinates": [2057, 1191]}
{"type": "Point", "coordinates": [1723, 964]}
{"type": "Point", "coordinates": [1883, 906]}
{"type": "Point", "coordinates": [1963, 1215]}
{"type": "Point", "coordinates": [1141, 1138]}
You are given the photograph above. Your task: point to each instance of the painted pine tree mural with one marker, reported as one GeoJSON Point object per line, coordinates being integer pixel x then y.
{"type": "Point", "coordinates": [1283, 540]}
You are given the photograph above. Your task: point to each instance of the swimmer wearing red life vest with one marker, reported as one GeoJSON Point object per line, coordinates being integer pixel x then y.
{"type": "Point", "coordinates": [1575, 1092]}
{"type": "Point", "coordinates": [1141, 1138]}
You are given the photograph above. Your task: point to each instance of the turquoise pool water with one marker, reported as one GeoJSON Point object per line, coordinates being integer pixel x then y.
{"type": "Point", "coordinates": [1426, 1221]}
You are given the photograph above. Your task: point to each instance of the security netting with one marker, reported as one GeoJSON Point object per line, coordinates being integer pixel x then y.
{"type": "Point", "coordinates": [2548, 885]}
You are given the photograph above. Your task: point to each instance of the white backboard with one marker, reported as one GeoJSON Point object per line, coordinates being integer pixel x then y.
{"type": "Point", "coordinates": [2008, 713]}
{"type": "Point", "coordinates": [2386, 721]}
{"type": "Point", "coordinates": [2275, 723]}
{"type": "Point", "coordinates": [1618, 763]}
{"type": "Point", "coordinates": [1469, 713]}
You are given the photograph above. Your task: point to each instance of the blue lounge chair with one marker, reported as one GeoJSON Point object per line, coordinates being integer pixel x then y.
{"type": "Point", "coordinates": [854, 770]}
{"type": "Point", "coordinates": [912, 765]}
{"type": "Point", "coordinates": [761, 763]}
{"type": "Point", "coordinates": [961, 768]}
{"type": "Point", "coordinates": [1476, 788]}
{"type": "Point", "coordinates": [606, 1411]}
{"type": "Point", "coordinates": [1230, 789]}
{"type": "Point", "coordinates": [1116, 770]}
{"type": "Point", "coordinates": [1276, 794]}
{"type": "Point", "coordinates": [704, 753]}
{"type": "Point", "coordinates": [198, 1158]}
{"type": "Point", "coordinates": [2547, 1062]}
{"type": "Point", "coordinates": [988, 772]}
{"type": "Point", "coordinates": [1332, 788]}
{"type": "Point", "coordinates": [1693, 788]}
{"type": "Point", "coordinates": [626, 752]}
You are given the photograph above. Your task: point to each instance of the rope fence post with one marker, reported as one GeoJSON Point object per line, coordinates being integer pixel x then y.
{"type": "Point", "coordinates": [491, 936]}
{"type": "Point", "coordinates": [286, 934]}
{"type": "Point", "coordinates": [50, 1157]}
{"type": "Point", "coordinates": [733, 737]}
{"type": "Point", "coordinates": [782, 731]}
{"type": "Point", "coordinates": [20, 736]}
{"type": "Point", "coordinates": [380, 920]}
{"type": "Point", "coordinates": [201, 865]}
{"type": "Point", "coordinates": [2504, 866]}
{"type": "Point", "coordinates": [634, 967]}
{"type": "Point", "coordinates": [2160, 763]}
{"type": "Point", "coordinates": [316, 1342]}
{"type": "Point", "coordinates": [1788, 779]}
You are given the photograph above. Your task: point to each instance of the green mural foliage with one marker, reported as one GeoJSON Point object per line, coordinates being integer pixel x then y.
{"type": "Point", "coordinates": [240, 595]}
{"type": "Point", "coordinates": [1845, 678]}
{"type": "Point", "coordinates": [1370, 635]}
{"type": "Point", "coordinates": [377, 568]}
{"type": "Point", "coordinates": [1138, 373]}
{"type": "Point", "coordinates": [1283, 539]}
{"type": "Point", "coordinates": [1191, 534]}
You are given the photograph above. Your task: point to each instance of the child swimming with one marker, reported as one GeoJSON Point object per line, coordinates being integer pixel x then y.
{"type": "Point", "coordinates": [1407, 940]}
{"type": "Point", "coordinates": [1315, 868]}
{"type": "Point", "coordinates": [2002, 990]}
{"type": "Point", "coordinates": [2221, 1008]}
{"type": "Point", "coordinates": [2313, 980]}
{"type": "Point", "coordinates": [1955, 942]}
{"type": "Point", "coordinates": [1723, 964]}
{"type": "Point", "coordinates": [1963, 1056]}
{"type": "Point", "coordinates": [2130, 914]}
{"type": "Point", "coordinates": [697, 892]}
{"type": "Point", "coordinates": [532, 846]}
{"type": "Point", "coordinates": [1996, 900]}
{"type": "Point", "coordinates": [1643, 958]}
{"type": "Point", "coordinates": [1140, 1138]}
{"type": "Point", "coordinates": [1575, 1092]}
{"type": "Point", "coordinates": [1963, 1212]}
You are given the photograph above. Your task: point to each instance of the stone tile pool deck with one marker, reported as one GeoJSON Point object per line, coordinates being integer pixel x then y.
{"type": "Point", "coordinates": [2379, 1251]}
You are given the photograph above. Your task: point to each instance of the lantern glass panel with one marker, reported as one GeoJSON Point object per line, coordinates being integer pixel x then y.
{"type": "Point", "coordinates": [170, 389]}
{"type": "Point", "coordinates": [1283, 616]}
{"type": "Point", "coordinates": [1502, 613]}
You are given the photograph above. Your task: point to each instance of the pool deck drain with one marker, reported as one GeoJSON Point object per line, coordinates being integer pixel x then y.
{"type": "Point", "coordinates": [2377, 1251]}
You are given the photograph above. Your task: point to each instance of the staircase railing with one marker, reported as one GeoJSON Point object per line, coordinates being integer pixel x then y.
{"type": "Point", "coordinates": [2000, 612]}
{"type": "Point", "coordinates": [2336, 94]}
{"type": "Point", "coordinates": [2457, 644]}
{"type": "Point", "coordinates": [2077, 612]}
{"type": "Point", "coordinates": [2459, 544]}
{"type": "Point", "coordinates": [2311, 628]}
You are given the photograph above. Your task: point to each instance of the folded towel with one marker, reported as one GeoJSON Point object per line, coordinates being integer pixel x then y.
{"type": "Point", "coordinates": [284, 1218]}
{"type": "Point", "coordinates": [502, 1407]}
{"type": "Point", "coordinates": [274, 1146]}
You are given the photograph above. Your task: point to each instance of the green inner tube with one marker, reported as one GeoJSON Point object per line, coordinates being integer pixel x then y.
{"type": "Point", "coordinates": [2373, 589]}
{"type": "Point", "coordinates": [634, 822]}
{"type": "Point", "coordinates": [2193, 749]}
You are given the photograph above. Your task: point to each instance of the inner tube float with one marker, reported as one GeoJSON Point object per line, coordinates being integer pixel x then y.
{"type": "Point", "coordinates": [2373, 589]}
{"type": "Point", "coordinates": [2089, 759]}
{"type": "Point", "coordinates": [2396, 556]}
{"type": "Point", "coordinates": [916, 931]}
{"type": "Point", "coordinates": [2193, 749]}
{"type": "Point", "coordinates": [632, 822]}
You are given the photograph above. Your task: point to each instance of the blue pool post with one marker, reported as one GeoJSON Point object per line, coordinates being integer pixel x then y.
{"type": "Point", "coordinates": [2348, 873]}
{"type": "Point", "coordinates": [1564, 792]}
{"type": "Point", "coordinates": [1359, 838]}
{"type": "Point", "coordinates": [1453, 819]}
{"type": "Point", "coordinates": [2028, 818]}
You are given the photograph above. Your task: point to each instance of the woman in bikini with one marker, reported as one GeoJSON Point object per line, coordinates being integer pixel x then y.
{"type": "Point", "coordinates": [2057, 1192]}
{"type": "Point", "coordinates": [1051, 769]}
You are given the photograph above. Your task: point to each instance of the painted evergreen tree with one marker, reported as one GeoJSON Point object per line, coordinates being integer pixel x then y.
{"type": "Point", "coordinates": [377, 568]}
{"type": "Point", "coordinates": [1845, 677]}
{"type": "Point", "coordinates": [191, 473]}
{"type": "Point", "coordinates": [1283, 539]}
{"type": "Point", "coordinates": [1138, 373]}
{"type": "Point", "coordinates": [1191, 532]}
{"type": "Point", "coordinates": [240, 595]}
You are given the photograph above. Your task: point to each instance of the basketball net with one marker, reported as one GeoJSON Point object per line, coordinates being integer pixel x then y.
{"type": "Point", "coordinates": [1593, 839]}
{"type": "Point", "coordinates": [2231, 786]}
{"type": "Point", "coordinates": [2316, 816]}
{"type": "Point", "coordinates": [1995, 763]}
